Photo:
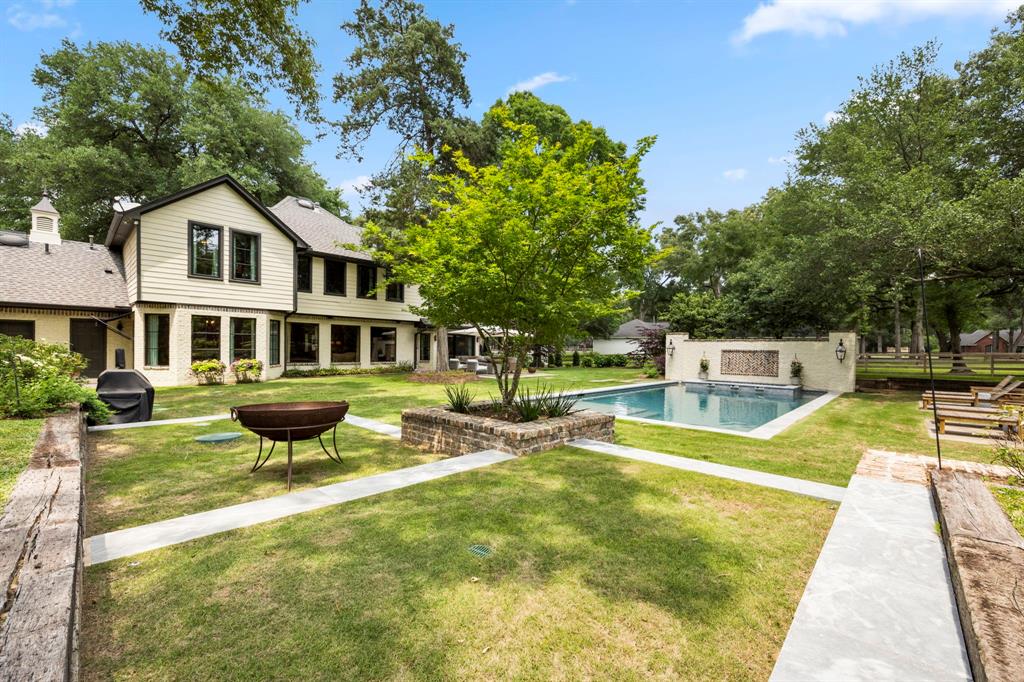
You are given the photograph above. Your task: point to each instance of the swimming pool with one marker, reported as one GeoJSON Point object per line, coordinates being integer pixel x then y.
{"type": "Point", "coordinates": [711, 407]}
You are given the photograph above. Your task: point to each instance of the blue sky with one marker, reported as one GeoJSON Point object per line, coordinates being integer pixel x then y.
{"type": "Point", "coordinates": [724, 86]}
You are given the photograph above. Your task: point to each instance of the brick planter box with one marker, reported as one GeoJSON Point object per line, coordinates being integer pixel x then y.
{"type": "Point", "coordinates": [440, 430]}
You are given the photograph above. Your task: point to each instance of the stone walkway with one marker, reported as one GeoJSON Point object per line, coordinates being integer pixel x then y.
{"type": "Point", "coordinates": [822, 491]}
{"type": "Point", "coordinates": [122, 543]}
{"type": "Point", "coordinates": [879, 604]}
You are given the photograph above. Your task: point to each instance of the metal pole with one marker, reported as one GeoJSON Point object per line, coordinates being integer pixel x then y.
{"type": "Point", "coordinates": [928, 351]}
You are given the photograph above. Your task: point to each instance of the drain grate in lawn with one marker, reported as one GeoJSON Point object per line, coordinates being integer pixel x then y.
{"type": "Point", "coordinates": [480, 550]}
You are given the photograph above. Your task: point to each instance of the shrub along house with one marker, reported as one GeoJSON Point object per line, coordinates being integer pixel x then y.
{"type": "Point", "coordinates": [211, 273]}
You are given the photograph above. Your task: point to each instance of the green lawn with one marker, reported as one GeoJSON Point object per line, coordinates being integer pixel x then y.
{"type": "Point", "coordinates": [1011, 499]}
{"type": "Point", "coordinates": [17, 440]}
{"type": "Point", "coordinates": [376, 396]}
{"type": "Point", "coordinates": [825, 446]}
{"type": "Point", "coordinates": [137, 476]}
{"type": "Point", "coordinates": [602, 568]}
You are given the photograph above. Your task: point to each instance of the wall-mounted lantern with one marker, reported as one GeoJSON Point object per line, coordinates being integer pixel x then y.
{"type": "Point", "coordinates": [841, 351]}
{"type": "Point", "coordinates": [671, 347]}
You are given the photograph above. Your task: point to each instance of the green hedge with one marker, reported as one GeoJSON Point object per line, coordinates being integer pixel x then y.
{"type": "Point", "coordinates": [400, 368]}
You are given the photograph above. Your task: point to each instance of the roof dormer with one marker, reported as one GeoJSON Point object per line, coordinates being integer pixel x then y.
{"type": "Point", "coordinates": [45, 222]}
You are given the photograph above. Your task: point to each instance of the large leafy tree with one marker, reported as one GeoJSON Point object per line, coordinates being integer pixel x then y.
{"type": "Point", "coordinates": [128, 121]}
{"type": "Point", "coordinates": [405, 74]}
{"type": "Point", "coordinates": [255, 41]}
{"type": "Point", "coordinates": [529, 249]}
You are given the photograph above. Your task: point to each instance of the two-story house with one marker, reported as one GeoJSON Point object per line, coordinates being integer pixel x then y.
{"type": "Point", "coordinates": [210, 273]}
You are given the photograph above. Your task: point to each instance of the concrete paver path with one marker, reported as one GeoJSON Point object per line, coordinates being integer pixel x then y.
{"type": "Point", "coordinates": [822, 491]}
{"type": "Point", "coordinates": [122, 543]}
{"type": "Point", "coordinates": [879, 604]}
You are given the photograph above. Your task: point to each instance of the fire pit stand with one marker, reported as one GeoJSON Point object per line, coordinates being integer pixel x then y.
{"type": "Point", "coordinates": [290, 422]}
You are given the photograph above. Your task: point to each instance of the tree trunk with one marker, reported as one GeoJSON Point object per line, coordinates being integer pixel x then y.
{"type": "Point", "coordinates": [953, 322]}
{"type": "Point", "coordinates": [878, 343]}
{"type": "Point", "coordinates": [442, 349]}
{"type": "Point", "coordinates": [897, 324]}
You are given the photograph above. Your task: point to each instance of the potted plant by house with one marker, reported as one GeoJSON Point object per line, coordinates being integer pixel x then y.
{"type": "Point", "coordinates": [247, 370]}
{"type": "Point", "coordinates": [796, 372]}
{"type": "Point", "coordinates": [208, 371]}
{"type": "Point", "coordinates": [705, 365]}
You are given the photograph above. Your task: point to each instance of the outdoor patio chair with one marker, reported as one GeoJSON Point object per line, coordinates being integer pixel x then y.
{"type": "Point", "coordinates": [1004, 421]}
{"type": "Point", "coordinates": [1009, 391]}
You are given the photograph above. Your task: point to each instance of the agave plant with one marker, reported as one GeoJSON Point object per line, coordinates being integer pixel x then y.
{"type": "Point", "coordinates": [460, 398]}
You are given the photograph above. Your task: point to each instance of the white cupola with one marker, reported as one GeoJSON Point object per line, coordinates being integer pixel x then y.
{"type": "Point", "coordinates": [45, 222]}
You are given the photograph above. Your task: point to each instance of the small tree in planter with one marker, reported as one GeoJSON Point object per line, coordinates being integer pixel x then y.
{"type": "Point", "coordinates": [796, 371]}
{"type": "Point", "coordinates": [529, 249]}
{"type": "Point", "coordinates": [208, 371]}
{"type": "Point", "coordinates": [247, 370]}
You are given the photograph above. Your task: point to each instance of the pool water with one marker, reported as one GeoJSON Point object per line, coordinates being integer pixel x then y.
{"type": "Point", "coordinates": [718, 407]}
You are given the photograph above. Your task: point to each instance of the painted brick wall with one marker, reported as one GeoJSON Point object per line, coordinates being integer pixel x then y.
{"type": "Point", "coordinates": [821, 370]}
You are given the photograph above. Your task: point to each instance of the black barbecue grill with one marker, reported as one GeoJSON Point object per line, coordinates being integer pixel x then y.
{"type": "Point", "coordinates": [128, 393]}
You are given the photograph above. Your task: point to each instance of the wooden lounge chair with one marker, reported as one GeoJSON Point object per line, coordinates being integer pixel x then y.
{"type": "Point", "coordinates": [1010, 390]}
{"type": "Point", "coordinates": [1002, 420]}
{"type": "Point", "coordinates": [992, 389]}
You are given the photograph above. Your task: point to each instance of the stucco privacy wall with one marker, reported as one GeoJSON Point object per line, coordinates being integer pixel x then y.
{"type": "Point", "coordinates": [821, 370]}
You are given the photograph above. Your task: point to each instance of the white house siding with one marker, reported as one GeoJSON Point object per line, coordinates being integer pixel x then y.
{"type": "Point", "coordinates": [128, 257]}
{"type": "Point", "coordinates": [350, 305]}
{"type": "Point", "coordinates": [176, 373]}
{"type": "Point", "coordinates": [614, 346]}
{"type": "Point", "coordinates": [54, 326]}
{"type": "Point", "coordinates": [821, 369]}
{"type": "Point", "coordinates": [164, 233]}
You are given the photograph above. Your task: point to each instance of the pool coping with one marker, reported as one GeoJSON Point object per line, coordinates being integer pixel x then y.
{"type": "Point", "coordinates": [764, 432]}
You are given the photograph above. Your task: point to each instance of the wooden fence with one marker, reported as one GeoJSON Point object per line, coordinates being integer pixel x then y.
{"type": "Point", "coordinates": [913, 363]}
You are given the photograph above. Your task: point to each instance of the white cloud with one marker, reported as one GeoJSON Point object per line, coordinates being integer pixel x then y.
{"type": "Point", "coordinates": [822, 18]}
{"type": "Point", "coordinates": [735, 174]}
{"type": "Point", "coordinates": [538, 81]}
{"type": "Point", "coordinates": [831, 117]}
{"type": "Point", "coordinates": [785, 158]}
{"type": "Point", "coordinates": [350, 188]}
{"type": "Point", "coordinates": [31, 127]}
{"type": "Point", "coordinates": [38, 15]}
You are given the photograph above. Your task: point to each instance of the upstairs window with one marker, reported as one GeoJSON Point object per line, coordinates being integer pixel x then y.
{"type": "Point", "coordinates": [304, 274]}
{"type": "Point", "coordinates": [395, 292]}
{"type": "Point", "coordinates": [245, 257]}
{"type": "Point", "coordinates": [334, 277]}
{"type": "Point", "coordinates": [204, 250]}
{"type": "Point", "coordinates": [366, 284]}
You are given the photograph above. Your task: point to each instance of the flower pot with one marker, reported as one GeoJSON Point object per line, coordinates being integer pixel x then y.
{"type": "Point", "coordinates": [703, 376]}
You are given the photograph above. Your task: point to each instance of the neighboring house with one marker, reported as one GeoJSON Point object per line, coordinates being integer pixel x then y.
{"type": "Point", "coordinates": [211, 273]}
{"type": "Point", "coordinates": [624, 339]}
{"type": "Point", "coordinates": [982, 341]}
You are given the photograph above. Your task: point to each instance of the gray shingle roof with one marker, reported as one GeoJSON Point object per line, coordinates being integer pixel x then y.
{"type": "Point", "coordinates": [71, 275]}
{"type": "Point", "coordinates": [633, 328]}
{"type": "Point", "coordinates": [320, 228]}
